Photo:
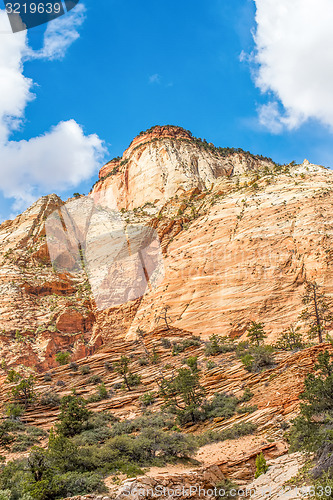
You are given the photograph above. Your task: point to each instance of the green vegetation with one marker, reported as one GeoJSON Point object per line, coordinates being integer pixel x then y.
{"type": "Point", "coordinates": [291, 340]}
{"type": "Point", "coordinates": [226, 490]}
{"type": "Point", "coordinates": [63, 358]}
{"type": "Point", "coordinates": [23, 393]}
{"type": "Point", "coordinates": [261, 466]}
{"type": "Point", "coordinates": [130, 379]}
{"type": "Point", "coordinates": [256, 333]}
{"type": "Point", "coordinates": [217, 345]}
{"type": "Point", "coordinates": [317, 313]}
{"type": "Point", "coordinates": [257, 358]}
{"type": "Point", "coordinates": [183, 395]}
{"type": "Point", "coordinates": [178, 347]}
{"type": "Point", "coordinates": [73, 415]}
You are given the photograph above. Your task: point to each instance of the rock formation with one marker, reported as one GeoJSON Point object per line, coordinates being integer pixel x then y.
{"type": "Point", "coordinates": [240, 235]}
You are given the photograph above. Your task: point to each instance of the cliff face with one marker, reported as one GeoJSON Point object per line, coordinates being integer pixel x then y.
{"type": "Point", "coordinates": [238, 251]}
{"type": "Point", "coordinates": [42, 311]}
{"type": "Point", "coordinates": [162, 163]}
{"type": "Point", "coordinates": [239, 235]}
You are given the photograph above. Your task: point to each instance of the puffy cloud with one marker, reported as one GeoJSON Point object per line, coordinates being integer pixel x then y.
{"type": "Point", "coordinates": [295, 61]}
{"type": "Point", "coordinates": [14, 86]}
{"type": "Point", "coordinates": [58, 159]}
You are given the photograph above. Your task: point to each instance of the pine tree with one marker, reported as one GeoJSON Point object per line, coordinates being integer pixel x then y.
{"type": "Point", "coordinates": [312, 429]}
{"type": "Point", "coordinates": [256, 333]}
{"type": "Point", "coordinates": [183, 394]}
{"type": "Point", "coordinates": [317, 313]}
{"type": "Point", "coordinates": [73, 415]}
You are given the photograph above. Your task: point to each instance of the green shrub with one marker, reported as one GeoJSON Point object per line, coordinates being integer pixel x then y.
{"type": "Point", "coordinates": [50, 399]}
{"type": "Point", "coordinates": [102, 391]}
{"type": "Point", "coordinates": [5, 494]}
{"type": "Point", "coordinates": [147, 398]}
{"type": "Point", "coordinates": [94, 379]}
{"type": "Point", "coordinates": [258, 358]}
{"type": "Point", "coordinates": [14, 410]}
{"type": "Point", "coordinates": [74, 366]}
{"type": "Point", "coordinates": [47, 377]}
{"type": "Point", "coordinates": [35, 431]}
{"type": "Point", "coordinates": [178, 347]}
{"type": "Point", "coordinates": [73, 415]}
{"type": "Point", "coordinates": [210, 365]}
{"type": "Point", "coordinates": [62, 358]}
{"type": "Point", "coordinates": [291, 340]}
{"type": "Point", "coordinates": [226, 490]}
{"type": "Point", "coordinates": [217, 345]}
{"type": "Point", "coordinates": [247, 395]}
{"type": "Point", "coordinates": [133, 379]}
{"type": "Point", "coordinates": [84, 370]}
{"type": "Point", "coordinates": [108, 366]}
{"type": "Point", "coordinates": [166, 343]}
{"type": "Point", "coordinates": [247, 409]}
{"type": "Point", "coordinates": [222, 405]}
{"type": "Point", "coordinates": [143, 361]}
{"type": "Point", "coordinates": [261, 466]}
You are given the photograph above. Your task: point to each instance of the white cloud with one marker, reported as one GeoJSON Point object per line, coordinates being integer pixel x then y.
{"type": "Point", "coordinates": [295, 61]}
{"type": "Point", "coordinates": [59, 35]}
{"type": "Point", "coordinates": [57, 160]}
{"type": "Point", "coordinates": [14, 86]}
{"type": "Point", "coordinates": [156, 78]}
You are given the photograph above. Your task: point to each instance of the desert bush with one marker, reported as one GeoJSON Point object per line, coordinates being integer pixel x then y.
{"type": "Point", "coordinates": [14, 411]}
{"type": "Point", "coordinates": [143, 361]}
{"type": "Point", "coordinates": [222, 405]}
{"type": "Point", "coordinates": [84, 370]}
{"type": "Point", "coordinates": [133, 379]}
{"type": "Point", "coordinates": [60, 383]}
{"type": "Point", "coordinates": [217, 345]}
{"type": "Point", "coordinates": [257, 358]}
{"type": "Point", "coordinates": [74, 366]}
{"type": "Point", "coordinates": [166, 343]}
{"type": "Point", "coordinates": [247, 395]}
{"type": "Point", "coordinates": [94, 379]}
{"type": "Point", "coordinates": [178, 347]}
{"type": "Point", "coordinates": [50, 399]}
{"type": "Point", "coordinates": [226, 490]}
{"type": "Point", "coordinates": [108, 366]}
{"type": "Point", "coordinates": [147, 398]}
{"type": "Point", "coordinates": [47, 377]}
{"type": "Point", "coordinates": [62, 358]}
{"type": "Point", "coordinates": [247, 409]}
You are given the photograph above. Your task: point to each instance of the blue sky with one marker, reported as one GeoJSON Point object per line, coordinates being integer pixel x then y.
{"type": "Point", "coordinates": [137, 64]}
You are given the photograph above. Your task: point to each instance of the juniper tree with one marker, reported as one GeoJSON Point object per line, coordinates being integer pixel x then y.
{"type": "Point", "coordinates": [183, 394]}
{"type": "Point", "coordinates": [256, 333]}
{"type": "Point", "coordinates": [291, 339]}
{"type": "Point", "coordinates": [23, 393]}
{"type": "Point", "coordinates": [318, 311]}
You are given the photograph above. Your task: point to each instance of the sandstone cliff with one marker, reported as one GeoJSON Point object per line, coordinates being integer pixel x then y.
{"type": "Point", "coordinates": [239, 235]}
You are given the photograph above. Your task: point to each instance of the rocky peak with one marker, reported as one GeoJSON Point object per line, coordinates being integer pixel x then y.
{"type": "Point", "coordinates": [165, 161]}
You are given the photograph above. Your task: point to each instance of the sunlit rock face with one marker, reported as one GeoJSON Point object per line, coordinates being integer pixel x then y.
{"type": "Point", "coordinates": [164, 162]}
